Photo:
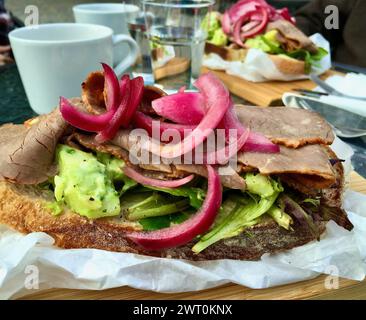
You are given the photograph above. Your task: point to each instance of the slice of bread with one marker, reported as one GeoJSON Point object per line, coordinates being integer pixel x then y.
{"type": "Point", "coordinates": [288, 65]}
{"type": "Point", "coordinates": [228, 53]}
{"type": "Point", "coordinates": [285, 64]}
{"type": "Point", "coordinates": [24, 208]}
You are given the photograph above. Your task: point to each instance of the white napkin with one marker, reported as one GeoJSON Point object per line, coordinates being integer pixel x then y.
{"type": "Point", "coordinates": [352, 84]}
{"type": "Point", "coordinates": [258, 67]}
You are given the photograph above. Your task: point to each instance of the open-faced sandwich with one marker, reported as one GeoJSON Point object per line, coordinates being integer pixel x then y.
{"type": "Point", "coordinates": [255, 24]}
{"type": "Point", "coordinates": [76, 173]}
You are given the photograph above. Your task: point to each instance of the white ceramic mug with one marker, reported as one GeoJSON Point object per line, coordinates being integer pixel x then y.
{"type": "Point", "coordinates": [54, 59]}
{"type": "Point", "coordinates": [112, 15]}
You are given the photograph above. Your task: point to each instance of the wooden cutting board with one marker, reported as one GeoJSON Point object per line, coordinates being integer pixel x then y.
{"type": "Point", "coordinates": [264, 93]}
{"type": "Point", "coordinates": [311, 289]}
{"type": "Point", "coordinates": [173, 67]}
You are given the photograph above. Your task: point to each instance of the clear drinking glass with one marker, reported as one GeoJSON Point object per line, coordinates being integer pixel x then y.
{"type": "Point", "coordinates": [142, 66]}
{"type": "Point", "coordinates": [176, 40]}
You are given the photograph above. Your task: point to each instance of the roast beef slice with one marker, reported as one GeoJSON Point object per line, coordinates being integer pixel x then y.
{"type": "Point", "coordinates": [309, 160]}
{"type": "Point", "coordinates": [291, 127]}
{"type": "Point", "coordinates": [291, 37]}
{"type": "Point", "coordinates": [27, 153]}
{"type": "Point", "coordinates": [92, 92]}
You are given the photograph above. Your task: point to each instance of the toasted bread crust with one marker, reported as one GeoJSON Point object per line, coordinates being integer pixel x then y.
{"type": "Point", "coordinates": [24, 209]}
{"type": "Point", "coordinates": [286, 65]}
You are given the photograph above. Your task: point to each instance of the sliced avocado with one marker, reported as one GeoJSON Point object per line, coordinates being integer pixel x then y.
{"type": "Point", "coordinates": [55, 207]}
{"type": "Point", "coordinates": [211, 23]}
{"type": "Point", "coordinates": [257, 43]}
{"type": "Point", "coordinates": [219, 38]}
{"type": "Point", "coordinates": [267, 42]}
{"type": "Point", "coordinates": [114, 169]}
{"type": "Point", "coordinates": [272, 37]}
{"type": "Point", "coordinates": [84, 185]}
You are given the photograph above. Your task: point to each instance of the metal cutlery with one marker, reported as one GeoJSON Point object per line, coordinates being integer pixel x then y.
{"type": "Point", "coordinates": [358, 160]}
{"type": "Point", "coordinates": [310, 93]}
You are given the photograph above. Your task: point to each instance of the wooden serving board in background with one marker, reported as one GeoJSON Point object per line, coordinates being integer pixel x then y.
{"type": "Point", "coordinates": [173, 67]}
{"type": "Point", "coordinates": [311, 289]}
{"type": "Point", "coordinates": [264, 93]}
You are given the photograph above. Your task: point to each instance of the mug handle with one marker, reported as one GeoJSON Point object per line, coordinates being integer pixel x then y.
{"type": "Point", "coordinates": [132, 55]}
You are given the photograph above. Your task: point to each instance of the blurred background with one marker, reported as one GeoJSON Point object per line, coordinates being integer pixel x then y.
{"type": "Point", "coordinates": [60, 11]}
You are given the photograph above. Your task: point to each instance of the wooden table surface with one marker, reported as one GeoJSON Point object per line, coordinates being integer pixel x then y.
{"type": "Point", "coordinates": [312, 289]}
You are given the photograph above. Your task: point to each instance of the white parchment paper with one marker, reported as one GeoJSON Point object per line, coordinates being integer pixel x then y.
{"type": "Point", "coordinates": [340, 252]}
{"type": "Point", "coordinates": [258, 67]}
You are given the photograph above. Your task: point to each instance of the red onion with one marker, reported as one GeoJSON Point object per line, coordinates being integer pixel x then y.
{"type": "Point", "coordinates": [111, 87]}
{"type": "Point", "coordinates": [110, 131]}
{"type": "Point", "coordinates": [242, 8]}
{"type": "Point", "coordinates": [89, 122]}
{"type": "Point", "coordinates": [137, 89]}
{"type": "Point", "coordinates": [239, 35]}
{"type": "Point", "coordinates": [138, 177]}
{"type": "Point", "coordinates": [223, 155]}
{"type": "Point", "coordinates": [285, 14]}
{"type": "Point", "coordinates": [249, 11]}
{"type": "Point", "coordinates": [237, 29]}
{"type": "Point", "coordinates": [259, 143]}
{"type": "Point", "coordinates": [217, 100]}
{"type": "Point", "coordinates": [186, 108]}
{"type": "Point", "coordinates": [231, 121]}
{"type": "Point", "coordinates": [250, 25]}
{"type": "Point", "coordinates": [261, 15]}
{"type": "Point", "coordinates": [143, 121]}
{"type": "Point", "coordinates": [183, 233]}
{"type": "Point", "coordinates": [226, 23]}
{"type": "Point", "coordinates": [255, 142]}
{"type": "Point", "coordinates": [82, 120]}
{"type": "Point", "coordinates": [182, 89]}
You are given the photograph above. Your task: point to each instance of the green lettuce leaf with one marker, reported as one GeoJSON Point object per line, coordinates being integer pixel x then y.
{"type": "Point", "coordinates": [196, 195]}
{"type": "Point", "coordinates": [314, 202]}
{"type": "Point", "coordinates": [140, 205]}
{"type": "Point", "coordinates": [156, 223]}
{"type": "Point", "coordinates": [269, 44]}
{"type": "Point", "coordinates": [309, 59]}
{"type": "Point", "coordinates": [233, 220]}
{"type": "Point", "coordinates": [281, 217]}
{"type": "Point", "coordinates": [261, 185]}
